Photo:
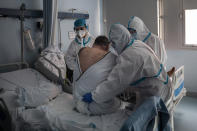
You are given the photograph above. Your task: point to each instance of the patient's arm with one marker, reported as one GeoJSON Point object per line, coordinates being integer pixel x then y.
{"type": "Point", "coordinates": [89, 56]}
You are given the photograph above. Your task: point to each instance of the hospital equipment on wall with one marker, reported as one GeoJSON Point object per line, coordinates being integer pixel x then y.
{"type": "Point", "coordinates": [29, 40]}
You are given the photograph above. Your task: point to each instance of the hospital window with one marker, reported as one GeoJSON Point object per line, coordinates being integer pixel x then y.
{"type": "Point", "coordinates": [190, 27]}
{"type": "Point", "coordinates": [160, 18]}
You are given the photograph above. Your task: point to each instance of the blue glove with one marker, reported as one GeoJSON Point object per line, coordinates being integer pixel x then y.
{"type": "Point", "coordinates": [87, 98]}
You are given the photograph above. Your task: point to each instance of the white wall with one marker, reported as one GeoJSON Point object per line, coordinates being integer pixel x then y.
{"type": "Point", "coordinates": [121, 10]}
{"type": "Point", "coordinates": [178, 56]}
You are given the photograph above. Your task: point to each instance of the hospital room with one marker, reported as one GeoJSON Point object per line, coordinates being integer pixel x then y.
{"type": "Point", "coordinates": [98, 65]}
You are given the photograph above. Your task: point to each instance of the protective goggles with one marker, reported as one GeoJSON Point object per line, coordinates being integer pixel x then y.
{"type": "Point", "coordinates": [132, 30]}
{"type": "Point", "coordinates": [79, 28]}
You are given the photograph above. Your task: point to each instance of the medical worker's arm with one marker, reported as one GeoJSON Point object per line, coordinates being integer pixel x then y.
{"type": "Point", "coordinates": [122, 75]}
{"type": "Point", "coordinates": [71, 56]}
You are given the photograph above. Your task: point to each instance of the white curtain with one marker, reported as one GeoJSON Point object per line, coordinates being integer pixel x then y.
{"type": "Point", "coordinates": [50, 14]}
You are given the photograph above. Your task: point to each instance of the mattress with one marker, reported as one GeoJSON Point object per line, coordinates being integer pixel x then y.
{"type": "Point", "coordinates": [26, 88]}
{"type": "Point", "coordinates": [60, 115]}
{"type": "Point", "coordinates": [22, 78]}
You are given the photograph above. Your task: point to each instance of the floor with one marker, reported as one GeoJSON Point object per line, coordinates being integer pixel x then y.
{"type": "Point", "coordinates": [185, 116]}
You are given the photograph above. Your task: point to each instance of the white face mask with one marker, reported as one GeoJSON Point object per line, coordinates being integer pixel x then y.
{"type": "Point", "coordinates": [81, 33]}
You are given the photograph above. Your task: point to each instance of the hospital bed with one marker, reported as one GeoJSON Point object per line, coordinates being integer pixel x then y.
{"type": "Point", "coordinates": [26, 88]}
{"type": "Point", "coordinates": [60, 115]}
{"type": "Point", "coordinates": [34, 107]}
{"type": "Point", "coordinates": [35, 103]}
{"type": "Point", "coordinates": [179, 91]}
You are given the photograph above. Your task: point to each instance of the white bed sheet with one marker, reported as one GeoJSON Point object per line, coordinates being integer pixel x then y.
{"type": "Point", "coordinates": [32, 88]}
{"type": "Point", "coordinates": [20, 78]}
{"type": "Point", "coordinates": [26, 88]}
{"type": "Point", "coordinates": [60, 115]}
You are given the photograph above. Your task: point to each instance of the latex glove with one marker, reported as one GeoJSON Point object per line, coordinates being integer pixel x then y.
{"type": "Point", "coordinates": [87, 98]}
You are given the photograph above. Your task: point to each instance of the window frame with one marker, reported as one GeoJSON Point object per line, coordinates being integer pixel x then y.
{"type": "Point", "coordinates": [194, 46]}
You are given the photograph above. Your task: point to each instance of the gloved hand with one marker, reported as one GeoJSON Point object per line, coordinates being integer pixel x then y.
{"type": "Point", "coordinates": [87, 98]}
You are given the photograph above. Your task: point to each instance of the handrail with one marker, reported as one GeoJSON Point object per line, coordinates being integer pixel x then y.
{"type": "Point", "coordinates": [17, 64]}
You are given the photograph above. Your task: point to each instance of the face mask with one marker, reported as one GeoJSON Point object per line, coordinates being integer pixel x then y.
{"type": "Point", "coordinates": [81, 33]}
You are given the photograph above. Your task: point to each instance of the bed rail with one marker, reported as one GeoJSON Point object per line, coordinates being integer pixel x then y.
{"type": "Point", "coordinates": [16, 66]}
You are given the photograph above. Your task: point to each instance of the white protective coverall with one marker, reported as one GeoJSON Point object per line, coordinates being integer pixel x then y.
{"type": "Point", "coordinates": [74, 48]}
{"type": "Point", "coordinates": [137, 68]}
{"type": "Point", "coordinates": [143, 34]}
{"type": "Point", "coordinates": [87, 81]}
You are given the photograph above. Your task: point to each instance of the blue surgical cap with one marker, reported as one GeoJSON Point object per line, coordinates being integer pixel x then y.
{"type": "Point", "coordinates": [80, 22]}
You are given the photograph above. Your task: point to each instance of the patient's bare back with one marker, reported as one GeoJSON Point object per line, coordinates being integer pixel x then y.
{"type": "Point", "coordinates": [89, 56]}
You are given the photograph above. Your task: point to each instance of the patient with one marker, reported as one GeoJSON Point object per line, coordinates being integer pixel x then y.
{"type": "Point", "coordinates": [94, 65]}
{"type": "Point", "coordinates": [89, 56]}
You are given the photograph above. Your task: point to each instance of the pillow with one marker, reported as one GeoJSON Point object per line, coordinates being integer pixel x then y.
{"type": "Point", "coordinates": [52, 64]}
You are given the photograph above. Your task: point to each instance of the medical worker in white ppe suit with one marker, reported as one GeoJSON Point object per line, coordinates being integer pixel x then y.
{"type": "Point", "coordinates": [82, 39]}
{"type": "Point", "coordinates": [137, 68]}
{"type": "Point", "coordinates": [139, 31]}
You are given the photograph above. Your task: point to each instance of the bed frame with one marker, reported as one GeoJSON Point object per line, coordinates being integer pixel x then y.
{"type": "Point", "coordinates": [179, 91]}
